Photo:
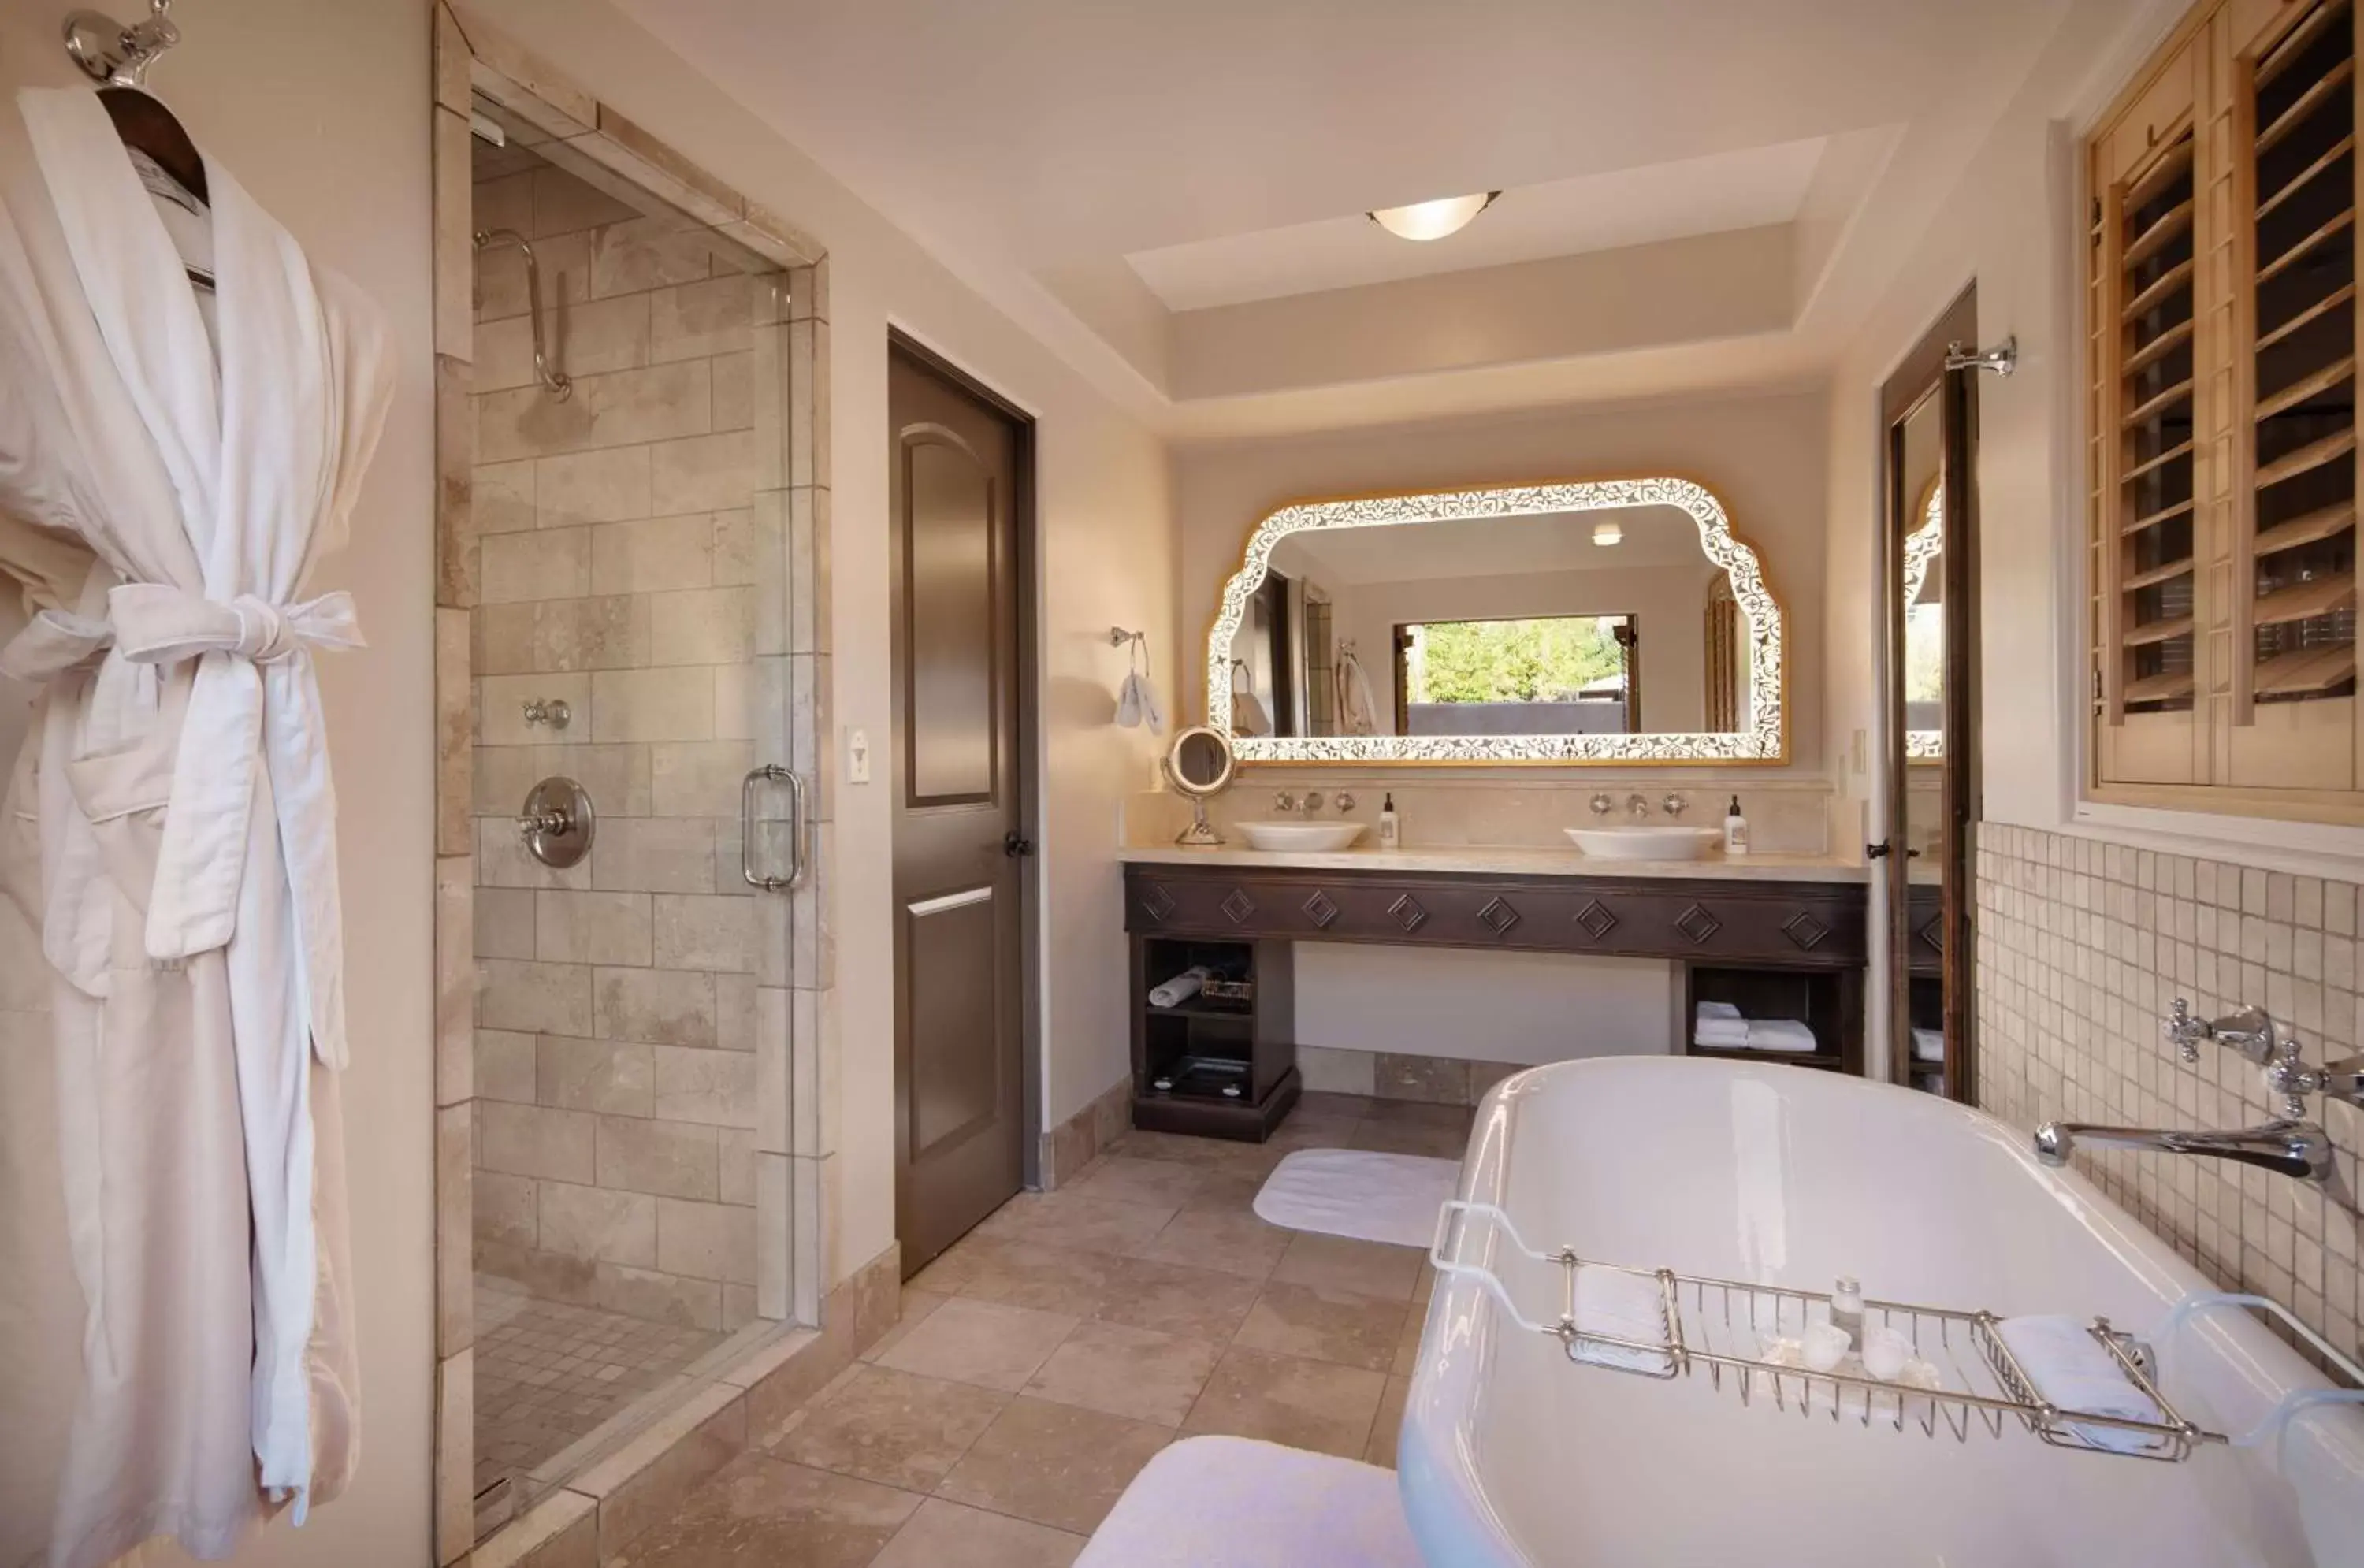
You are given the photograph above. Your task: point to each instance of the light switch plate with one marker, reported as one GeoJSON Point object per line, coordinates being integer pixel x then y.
{"type": "Point", "coordinates": [857, 756]}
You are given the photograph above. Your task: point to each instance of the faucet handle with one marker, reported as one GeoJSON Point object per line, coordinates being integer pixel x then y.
{"type": "Point", "coordinates": [1602, 805]}
{"type": "Point", "coordinates": [1675, 803]}
{"type": "Point", "coordinates": [2182, 1030]}
{"type": "Point", "coordinates": [1345, 801]}
{"type": "Point", "coordinates": [1284, 801]}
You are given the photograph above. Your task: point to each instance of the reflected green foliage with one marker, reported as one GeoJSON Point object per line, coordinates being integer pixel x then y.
{"type": "Point", "coordinates": [1549, 659]}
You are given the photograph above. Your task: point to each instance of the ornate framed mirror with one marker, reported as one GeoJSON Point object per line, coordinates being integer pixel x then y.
{"type": "Point", "coordinates": [1595, 622]}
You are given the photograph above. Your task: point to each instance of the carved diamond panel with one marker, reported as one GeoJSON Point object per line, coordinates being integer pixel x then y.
{"type": "Point", "coordinates": [1320, 909]}
{"type": "Point", "coordinates": [1238, 905]}
{"type": "Point", "coordinates": [1498, 917]}
{"type": "Point", "coordinates": [1408, 913]}
{"type": "Point", "coordinates": [1596, 919]}
{"type": "Point", "coordinates": [1697, 924]}
{"type": "Point", "coordinates": [1805, 930]}
{"type": "Point", "coordinates": [1156, 902]}
{"type": "Point", "coordinates": [1932, 932]}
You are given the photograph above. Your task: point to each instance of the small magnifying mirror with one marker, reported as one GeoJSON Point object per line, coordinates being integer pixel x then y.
{"type": "Point", "coordinates": [1199, 764]}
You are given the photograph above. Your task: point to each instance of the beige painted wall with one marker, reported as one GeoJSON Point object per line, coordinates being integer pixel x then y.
{"type": "Point", "coordinates": [1762, 454]}
{"type": "Point", "coordinates": [1106, 558]}
{"type": "Point", "coordinates": [321, 108]}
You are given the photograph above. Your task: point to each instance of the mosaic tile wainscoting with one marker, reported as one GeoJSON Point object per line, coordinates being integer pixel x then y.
{"type": "Point", "coordinates": [2081, 946]}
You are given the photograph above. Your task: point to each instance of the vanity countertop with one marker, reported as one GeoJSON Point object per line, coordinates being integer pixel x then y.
{"type": "Point", "coordinates": [1505, 860]}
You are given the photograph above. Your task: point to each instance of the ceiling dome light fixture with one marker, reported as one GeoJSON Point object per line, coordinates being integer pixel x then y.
{"type": "Point", "coordinates": [1433, 220]}
{"type": "Point", "coordinates": [1606, 534]}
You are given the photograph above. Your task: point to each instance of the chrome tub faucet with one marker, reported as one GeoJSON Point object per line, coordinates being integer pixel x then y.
{"type": "Point", "coordinates": [2288, 1145]}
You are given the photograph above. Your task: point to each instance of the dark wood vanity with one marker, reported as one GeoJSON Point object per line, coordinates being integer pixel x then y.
{"type": "Point", "coordinates": [1736, 937]}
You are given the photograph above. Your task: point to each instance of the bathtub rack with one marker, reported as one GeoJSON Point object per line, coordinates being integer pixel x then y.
{"type": "Point", "coordinates": [1746, 1336]}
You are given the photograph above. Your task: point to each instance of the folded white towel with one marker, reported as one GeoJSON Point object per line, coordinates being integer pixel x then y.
{"type": "Point", "coordinates": [1137, 704]}
{"type": "Point", "coordinates": [1181, 989]}
{"type": "Point", "coordinates": [2070, 1369]}
{"type": "Point", "coordinates": [1928, 1045]}
{"type": "Point", "coordinates": [1623, 1307]}
{"type": "Point", "coordinates": [1781, 1034]}
{"type": "Point", "coordinates": [1707, 1011]}
{"type": "Point", "coordinates": [1722, 1035]}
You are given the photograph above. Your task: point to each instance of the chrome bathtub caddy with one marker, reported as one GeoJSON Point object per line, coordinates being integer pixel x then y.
{"type": "Point", "coordinates": [1743, 1336]}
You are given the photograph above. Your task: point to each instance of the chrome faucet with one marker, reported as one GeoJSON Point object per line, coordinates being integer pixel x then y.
{"type": "Point", "coordinates": [2288, 1145]}
{"type": "Point", "coordinates": [1287, 803]}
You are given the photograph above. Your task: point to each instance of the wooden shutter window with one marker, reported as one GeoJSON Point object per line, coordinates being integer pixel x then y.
{"type": "Point", "coordinates": [2149, 239]}
{"type": "Point", "coordinates": [2295, 631]}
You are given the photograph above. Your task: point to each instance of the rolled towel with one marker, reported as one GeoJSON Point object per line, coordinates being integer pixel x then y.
{"type": "Point", "coordinates": [1781, 1034]}
{"type": "Point", "coordinates": [1181, 989]}
{"type": "Point", "coordinates": [1623, 1306]}
{"type": "Point", "coordinates": [2070, 1368]}
{"type": "Point", "coordinates": [1707, 1011]}
{"type": "Point", "coordinates": [1928, 1045]}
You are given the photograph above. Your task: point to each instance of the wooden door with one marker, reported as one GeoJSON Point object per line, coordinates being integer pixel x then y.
{"type": "Point", "coordinates": [960, 832]}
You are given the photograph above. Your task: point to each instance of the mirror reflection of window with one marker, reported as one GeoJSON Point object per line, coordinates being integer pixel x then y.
{"type": "Point", "coordinates": [1539, 675]}
{"type": "Point", "coordinates": [1924, 629]}
{"type": "Point", "coordinates": [1525, 624]}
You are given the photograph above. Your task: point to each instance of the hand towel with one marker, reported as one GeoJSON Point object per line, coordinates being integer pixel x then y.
{"type": "Point", "coordinates": [2068, 1367]}
{"type": "Point", "coordinates": [1928, 1045]}
{"type": "Point", "coordinates": [1707, 1011]}
{"type": "Point", "coordinates": [1248, 716]}
{"type": "Point", "coordinates": [1181, 989]}
{"type": "Point", "coordinates": [1137, 704]}
{"type": "Point", "coordinates": [1357, 713]}
{"type": "Point", "coordinates": [1781, 1035]}
{"type": "Point", "coordinates": [1623, 1306]}
{"type": "Point", "coordinates": [1722, 1034]}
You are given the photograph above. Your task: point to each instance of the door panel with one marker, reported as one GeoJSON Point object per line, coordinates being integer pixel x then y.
{"type": "Point", "coordinates": [958, 794]}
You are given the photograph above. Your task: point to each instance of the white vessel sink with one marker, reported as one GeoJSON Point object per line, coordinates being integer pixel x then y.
{"type": "Point", "coordinates": [1301, 835]}
{"type": "Point", "coordinates": [1645, 844]}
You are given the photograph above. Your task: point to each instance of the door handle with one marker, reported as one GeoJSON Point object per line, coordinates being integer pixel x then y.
{"type": "Point", "coordinates": [1015, 844]}
{"type": "Point", "coordinates": [1875, 851]}
{"type": "Point", "coordinates": [772, 773]}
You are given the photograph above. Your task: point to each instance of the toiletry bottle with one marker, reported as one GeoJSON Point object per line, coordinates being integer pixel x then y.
{"type": "Point", "coordinates": [1735, 831]}
{"type": "Point", "coordinates": [1389, 831]}
{"type": "Point", "coordinates": [1846, 1310]}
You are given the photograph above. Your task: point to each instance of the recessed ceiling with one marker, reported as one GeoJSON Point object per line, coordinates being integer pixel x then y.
{"type": "Point", "coordinates": [1171, 198]}
{"type": "Point", "coordinates": [1744, 189]}
{"type": "Point", "coordinates": [1494, 547]}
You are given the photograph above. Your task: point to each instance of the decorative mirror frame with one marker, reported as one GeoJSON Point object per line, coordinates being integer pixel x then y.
{"type": "Point", "coordinates": [1766, 740]}
{"type": "Point", "coordinates": [1922, 547]}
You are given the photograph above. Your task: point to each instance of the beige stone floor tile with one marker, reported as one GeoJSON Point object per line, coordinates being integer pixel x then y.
{"type": "Point", "coordinates": [1174, 1146]}
{"type": "Point", "coordinates": [1029, 1274]}
{"type": "Point", "coordinates": [1321, 1323]}
{"type": "Point", "coordinates": [1054, 1465]}
{"type": "Point", "coordinates": [1220, 1192]}
{"type": "Point", "coordinates": [1340, 1263]}
{"type": "Point", "coordinates": [1197, 1304]}
{"type": "Point", "coordinates": [892, 1427]}
{"type": "Point", "coordinates": [1409, 1137]}
{"type": "Point", "coordinates": [1067, 1218]}
{"type": "Point", "coordinates": [1408, 1343]}
{"type": "Point", "coordinates": [761, 1513]}
{"type": "Point", "coordinates": [1304, 1404]}
{"type": "Point", "coordinates": [1387, 1425]}
{"type": "Point", "coordinates": [916, 1304]}
{"type": "Point", "coordinates": [981, 1342]}
{"type": "Point", "coordinates": [1135, 1373]}
{"type": "Point", "coordinates": [1317, 1103]}
{"type": "Point", "coordinates": [1124, 1179]}
{"type": "Point", "coordinates": [1420, 1113]}
{"type": "Point", "coordinates": [1228, 1241]}
{"type": "Point", "coordinates": [943, 1534]}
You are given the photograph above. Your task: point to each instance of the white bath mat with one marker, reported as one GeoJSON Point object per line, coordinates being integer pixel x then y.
{"type": "Point", "coordinates": [1238, 1503]}
{"type": "Point", "coordinates": [1352, 1192]}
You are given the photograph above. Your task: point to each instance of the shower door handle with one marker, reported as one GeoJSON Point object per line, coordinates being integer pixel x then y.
{"type": "Point", "coordinates": [772, 773]}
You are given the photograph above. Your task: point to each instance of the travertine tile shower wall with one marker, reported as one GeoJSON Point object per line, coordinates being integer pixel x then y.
{"type": "Point", "coordinates": [617, 1009]}
{"type": "Point", "coordinates": [2081, 945]}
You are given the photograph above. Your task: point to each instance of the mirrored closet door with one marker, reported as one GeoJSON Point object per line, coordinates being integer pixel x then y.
{"type": "Point", "coordinates": [1929, 648]}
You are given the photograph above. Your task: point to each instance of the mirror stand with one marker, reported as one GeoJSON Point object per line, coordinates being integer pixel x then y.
{"type": "Point", "coordinates": [1200, 833]}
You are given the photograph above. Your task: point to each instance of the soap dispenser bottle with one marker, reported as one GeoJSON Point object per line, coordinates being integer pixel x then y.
{"type": "Point", "coordinates": [1846, 1310]}
{"type": "Point", "coordinates": [1735, 831]}
{"type": "Point", "coordinates": [1390, 832]}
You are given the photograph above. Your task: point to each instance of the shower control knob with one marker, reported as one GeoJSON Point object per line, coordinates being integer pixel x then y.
{"type": "Point", "coordinates": [557, 822]}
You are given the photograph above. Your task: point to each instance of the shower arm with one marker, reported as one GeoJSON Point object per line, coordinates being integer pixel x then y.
{"type": "Point", "coordinates": [561, 385]}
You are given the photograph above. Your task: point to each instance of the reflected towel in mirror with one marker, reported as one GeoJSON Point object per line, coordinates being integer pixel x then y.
{"type": "Point", "coordinates": [1356, 716]}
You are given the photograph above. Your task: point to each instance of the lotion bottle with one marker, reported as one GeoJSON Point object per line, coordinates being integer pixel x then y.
{"type": "Point", "coordinates": [1735, 831]}
{"type": "Point", "coordinates": [1846, 1310]}
{"type": "Point", "coordinates": [1390, 831]}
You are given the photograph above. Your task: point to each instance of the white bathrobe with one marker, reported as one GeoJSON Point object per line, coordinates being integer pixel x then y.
{"type": "Point", "coordinates": [171, 836]}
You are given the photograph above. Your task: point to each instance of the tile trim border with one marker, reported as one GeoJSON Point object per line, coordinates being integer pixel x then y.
{"type": "Point", "coordinates": [1075, 1143]}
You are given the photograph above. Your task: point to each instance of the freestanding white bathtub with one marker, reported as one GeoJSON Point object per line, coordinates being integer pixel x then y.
{"type": "Point", "coordinates": [1512, 1454]}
